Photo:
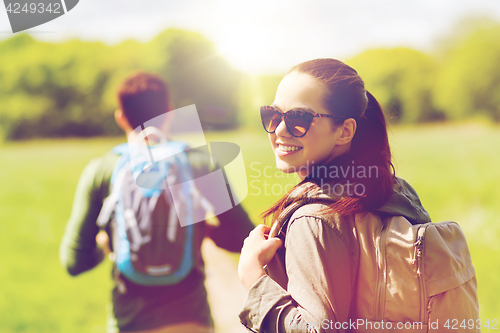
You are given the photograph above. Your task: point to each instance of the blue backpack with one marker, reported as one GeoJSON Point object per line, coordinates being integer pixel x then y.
{"type": "Point", "coordinates": [150, 246]}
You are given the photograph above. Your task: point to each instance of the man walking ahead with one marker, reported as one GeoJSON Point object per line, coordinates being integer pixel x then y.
{"type": "Point", "coordinates": [154, 291]}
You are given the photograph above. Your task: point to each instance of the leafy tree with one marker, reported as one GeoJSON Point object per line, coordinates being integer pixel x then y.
{"type": "Point", "coordinates": [54, 90]}
{"type": "Point", "coordinates": [401, 79]}
{"type": "Point", "coordinates": [256, 91]}
{"type": "Point", "coordinates": [198, 75]}
{"type": "Point", "coordinates": [469, 81]}
{"type": "Point", "coordinates": [69, 88]}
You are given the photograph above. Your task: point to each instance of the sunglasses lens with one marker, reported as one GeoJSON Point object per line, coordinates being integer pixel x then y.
{"type": "Point", "coordinates": [298, 122]}
{"type": "Point", "coordinates": [270, 118]}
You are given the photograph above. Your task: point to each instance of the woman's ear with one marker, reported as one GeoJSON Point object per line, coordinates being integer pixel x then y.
{"type": "Point", "coordinates": [122, 121]}
{"type": "Point", "coordinates": [348, 129]}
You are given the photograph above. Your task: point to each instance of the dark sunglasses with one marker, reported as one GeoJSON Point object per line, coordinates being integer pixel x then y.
{"type": "Point", "coordinates": [297, 121]}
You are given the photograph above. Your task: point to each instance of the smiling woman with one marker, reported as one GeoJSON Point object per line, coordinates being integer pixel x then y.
{"type": "Point", "coordinates": [319, 260]}
{"type": "Point", "coordinates": [321, 117]}
{"type": "Point", "coordinates": [325, 141]}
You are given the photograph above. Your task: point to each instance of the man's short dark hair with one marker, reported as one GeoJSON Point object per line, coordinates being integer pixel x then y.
{"type": "Point", "coordinates": [142, 97]}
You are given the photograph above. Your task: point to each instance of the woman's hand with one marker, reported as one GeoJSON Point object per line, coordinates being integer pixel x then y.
{"type": "Point", "coordinates": [257, 252]}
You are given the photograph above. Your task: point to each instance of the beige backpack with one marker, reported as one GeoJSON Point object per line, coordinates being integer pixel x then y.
{"type": "Point", "coordinates": [411, 278]}
{"type": "Point", "coordinates": [415, 278]}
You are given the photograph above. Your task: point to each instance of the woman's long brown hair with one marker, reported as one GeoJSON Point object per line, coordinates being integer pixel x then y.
{"type": "Point", "coordinates": [348, 98]}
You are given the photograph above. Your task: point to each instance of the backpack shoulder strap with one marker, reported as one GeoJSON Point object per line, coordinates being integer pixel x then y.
{"type": "Point", "coordinates": [121, 166]}
{"type": "Point", "coordinates": [284, 218]}
{"type": "Point", "coordinates": [302, 195]}
{"type": "Point", "coordinates": [287, 213]}
{"type": "Point", "coordinates": [117, 176]}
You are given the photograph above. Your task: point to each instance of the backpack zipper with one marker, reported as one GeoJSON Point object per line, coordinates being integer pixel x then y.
{"type": "Point", "coordinates": [417, 260]}
{"type": "Point", "coordinates": [379, 302]}
{"type": "Point", "coordinates": [417, 252]}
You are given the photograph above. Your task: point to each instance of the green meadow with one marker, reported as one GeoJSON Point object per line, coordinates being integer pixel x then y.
{"type": "Point", "coordinates": [454, 168]}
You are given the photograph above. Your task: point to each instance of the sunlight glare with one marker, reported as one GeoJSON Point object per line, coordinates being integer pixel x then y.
{"type": "Point", "coordinates": [250, 40]}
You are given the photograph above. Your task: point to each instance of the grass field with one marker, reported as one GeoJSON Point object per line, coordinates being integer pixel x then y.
{"type": "Point", "coordinates": [454, 168]}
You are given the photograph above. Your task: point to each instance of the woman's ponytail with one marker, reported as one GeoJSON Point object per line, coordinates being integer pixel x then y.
{"type": "Point", "coordinates": [370, 149]}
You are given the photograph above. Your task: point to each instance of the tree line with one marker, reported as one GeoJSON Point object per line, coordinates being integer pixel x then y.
{"type": "Point", "coordinates": [69, 88]}
{"type": "Point", "coordinates": [460, 80]}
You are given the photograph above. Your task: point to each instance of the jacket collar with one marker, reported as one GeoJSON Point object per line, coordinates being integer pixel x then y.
{"type": "Point", "coordinates": [404, 200]}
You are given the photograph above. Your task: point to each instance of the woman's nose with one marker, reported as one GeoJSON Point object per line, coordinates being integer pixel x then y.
{"type": "Point", "coordinates": [281, 130]}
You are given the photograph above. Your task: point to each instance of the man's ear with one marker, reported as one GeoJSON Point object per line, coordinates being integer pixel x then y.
{"type": "Point", "coordinates": [348, 129]}
{"type": "Point", "coordinates": [122, 121]}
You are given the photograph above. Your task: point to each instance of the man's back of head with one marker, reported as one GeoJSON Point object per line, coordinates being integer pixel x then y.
{"type": "Point", "coordinates": [142, 97]}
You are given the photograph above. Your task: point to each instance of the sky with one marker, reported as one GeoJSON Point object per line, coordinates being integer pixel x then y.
{"type": "Point", "coordinates": [268, 36]}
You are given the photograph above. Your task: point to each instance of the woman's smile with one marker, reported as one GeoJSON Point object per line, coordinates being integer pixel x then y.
{"type": "Point", "coordinates": [285, 150]}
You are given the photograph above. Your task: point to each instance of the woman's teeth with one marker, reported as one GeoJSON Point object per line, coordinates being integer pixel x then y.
{"type": "Point", "coordinates": [289, 148]}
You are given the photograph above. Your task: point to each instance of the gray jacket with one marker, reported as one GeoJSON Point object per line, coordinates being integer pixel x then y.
{"type": "Point", "coordinates": [314, 273]}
